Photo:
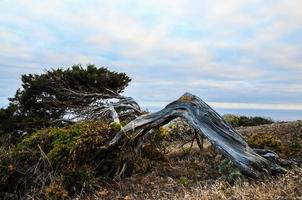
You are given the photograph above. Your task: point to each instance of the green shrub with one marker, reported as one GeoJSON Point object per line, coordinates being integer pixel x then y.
{"type": "Point", "coordinates": [115, 126]}
{"type": "Point", "coordinates": [264, 141]}
{"type": "Point", "coordinates": [237, 121]}
{"type": "Point", "coordinates": [285, 148]}
{"type": "Point", "coordinates": [183, 180]}
{"type": "Point", "coordinates": [230, 172]}
{"type": "Point", "coordinates": [60, 152]}
{"type": "Point", "coordinates": [83, 178]}
{"type": "Point", "coordinates": [74, 156]}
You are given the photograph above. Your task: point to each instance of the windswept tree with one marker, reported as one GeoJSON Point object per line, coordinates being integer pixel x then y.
{"type": "Point", "coordinates": [79, 93]}
{"type": "Point", "coordinates": [66, 95]}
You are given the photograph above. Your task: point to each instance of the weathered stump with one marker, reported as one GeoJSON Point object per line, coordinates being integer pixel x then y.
{"type": "Point", "coordinates": [207, 123]}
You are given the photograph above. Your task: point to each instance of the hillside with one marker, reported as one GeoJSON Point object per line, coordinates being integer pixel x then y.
{"type": "Point", "coordinates": [168, 168]}
{"type": "Point", "coordinates": [196, 175]}
{"type": "Point", "coordinates": [284, 137]}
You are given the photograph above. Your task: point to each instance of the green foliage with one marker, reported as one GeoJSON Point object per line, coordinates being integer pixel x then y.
{"type": "Point", "coordinates": [287, 148]}
{"type": "Point", "coordinates": [183, 180]}
{"type": "Point", "coordinates": [158, 141]}
{"type": "Point", "coordinates": [5, 120]}
{"type": "Point", "coordinates": [65, 161]}
{"type": "Point", "coordinates": [46, 97]}
{"type": "Point", "coordinates": [230, 172]}
{"type": "Point", "coordinates": [264, 141]}
{"type": "Point", "coordinates": [8, 125]}
{"type": "Point", "coordinates": [84, 177]}
{"type": "Point", "coordinates": [296, 145]}
{"type": "Point", "coordinates": [164, 131]}
{"type": "Point", "coordinates": [70, 151]}
{"type": "Point", "coordinates": [237, 121]}
{"type": "Point", "coordinates": [116, 126]}
{"type": "Point", "coordinates": [56, 143]}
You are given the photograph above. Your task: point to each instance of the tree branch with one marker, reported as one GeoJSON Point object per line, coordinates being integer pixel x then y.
{"type": "Point", "coordinates": [207, 123]}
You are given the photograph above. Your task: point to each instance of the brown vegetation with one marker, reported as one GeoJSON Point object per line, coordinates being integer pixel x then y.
{"type": "Point", "coordinates": [284, 137]}
{"type": "Point", "coordinates": [166, 169]}
{"type": "Point", "coordinates": [196, 175]}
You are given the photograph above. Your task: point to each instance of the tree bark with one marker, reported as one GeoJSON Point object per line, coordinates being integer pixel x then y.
{"type": "Point", "coordinates": [207, 123]}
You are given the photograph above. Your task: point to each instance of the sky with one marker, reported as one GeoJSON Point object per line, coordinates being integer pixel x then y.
{"type": "Point", "coordinates": [240, 56]}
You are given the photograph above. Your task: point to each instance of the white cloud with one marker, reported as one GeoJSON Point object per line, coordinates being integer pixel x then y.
{"type": "Point", "coordinates": [163, 45]}
{"type": "Point", "coordinates": [234, 105]}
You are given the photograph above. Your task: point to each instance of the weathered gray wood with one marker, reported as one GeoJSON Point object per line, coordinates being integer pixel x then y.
{"type": "Point", "coordinates": [109, 107]}
{"type": "Point", "coordinates": [207, 123]}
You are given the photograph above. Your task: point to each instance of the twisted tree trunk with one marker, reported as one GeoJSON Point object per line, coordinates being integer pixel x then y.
{"type": "Point", "coordinates": [207, 123]}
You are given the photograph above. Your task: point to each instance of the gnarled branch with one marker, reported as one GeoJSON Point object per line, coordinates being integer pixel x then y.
{"type": "Point", "coordinates": [208, 123]}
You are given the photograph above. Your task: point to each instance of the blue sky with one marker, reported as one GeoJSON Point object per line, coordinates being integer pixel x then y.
{"type": "Point", "coordinates": [235, 54]}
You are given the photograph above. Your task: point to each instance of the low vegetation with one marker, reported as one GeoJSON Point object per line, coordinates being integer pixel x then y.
{"type": "Point", "coordinates": [60, 163]}
{"type": "Point", "coordinates": [237, 121]}
{"type": "Point", "coordinates": [53, 161]}
{"type": "Point", "coordinates": [285, 138]}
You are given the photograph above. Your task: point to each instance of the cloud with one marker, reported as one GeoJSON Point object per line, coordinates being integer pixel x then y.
{"type": "Point", "coordinates": [233, 51]}
{"type": "Point", "coordinates": [234, 105]}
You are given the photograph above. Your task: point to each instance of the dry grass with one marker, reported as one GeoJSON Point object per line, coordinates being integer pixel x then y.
{"type": "Point", "coordinates": [285, 138]}
{"type": "Point", "coordinates": [195, 176]}
{"type": "Point", "coordinates": [283, 187]}
{"type": "Point", "coordinates": [158, 184]}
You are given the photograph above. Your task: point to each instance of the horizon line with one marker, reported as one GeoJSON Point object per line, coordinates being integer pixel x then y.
{"type": "Point", "coordinates": [236, 105]}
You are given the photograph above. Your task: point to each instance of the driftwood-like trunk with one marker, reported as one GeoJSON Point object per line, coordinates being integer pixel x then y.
{"type": "Point", "coordinates": [207, 123]}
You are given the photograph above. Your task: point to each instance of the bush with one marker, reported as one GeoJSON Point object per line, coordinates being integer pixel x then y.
{"type": "Point", "coordinates": [264, 141]}
{"type": "Point", "coordinates": [55, 191]}
{"type": "Point", "coordinates": [56, 161]}
{"type": "Point", "coordinates": [237, 121]}
{"type": "Point", "coordinates": [288, 148]}
{"type": "Point", "coordinates": [183, 180]}
{"type": "Point", "coordinates": [230, 172]}
{"type": "Point", "coordinates": [69, 154]}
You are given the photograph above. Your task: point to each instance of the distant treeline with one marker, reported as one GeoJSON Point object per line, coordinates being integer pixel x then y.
{"type": "Point", "coordinates": [237, 121]}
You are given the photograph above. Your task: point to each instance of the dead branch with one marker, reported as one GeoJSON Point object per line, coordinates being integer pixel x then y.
{"type": "Point", "coordinates": [207, 123]}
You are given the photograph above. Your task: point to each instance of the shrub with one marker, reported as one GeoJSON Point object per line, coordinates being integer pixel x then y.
{"type": "Point", "coordinates": [69, 160]}
{"type": "Point", "coordinates": [288, 148]}
{"type": "Point", "coordinates": [83, 178]}
{"type": "Point", "coordinates": [68, 152]}
{"type": "Point", "coordinates": [237, 121]}
{"type": "Point", "coordinates": [230, 172]}
{"type": "Point", "coordinates": [264, 141]}
{"type": "Point", "coordinates": [183, 180]}
{"type": "Point", "coordinates": [55, 191]}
